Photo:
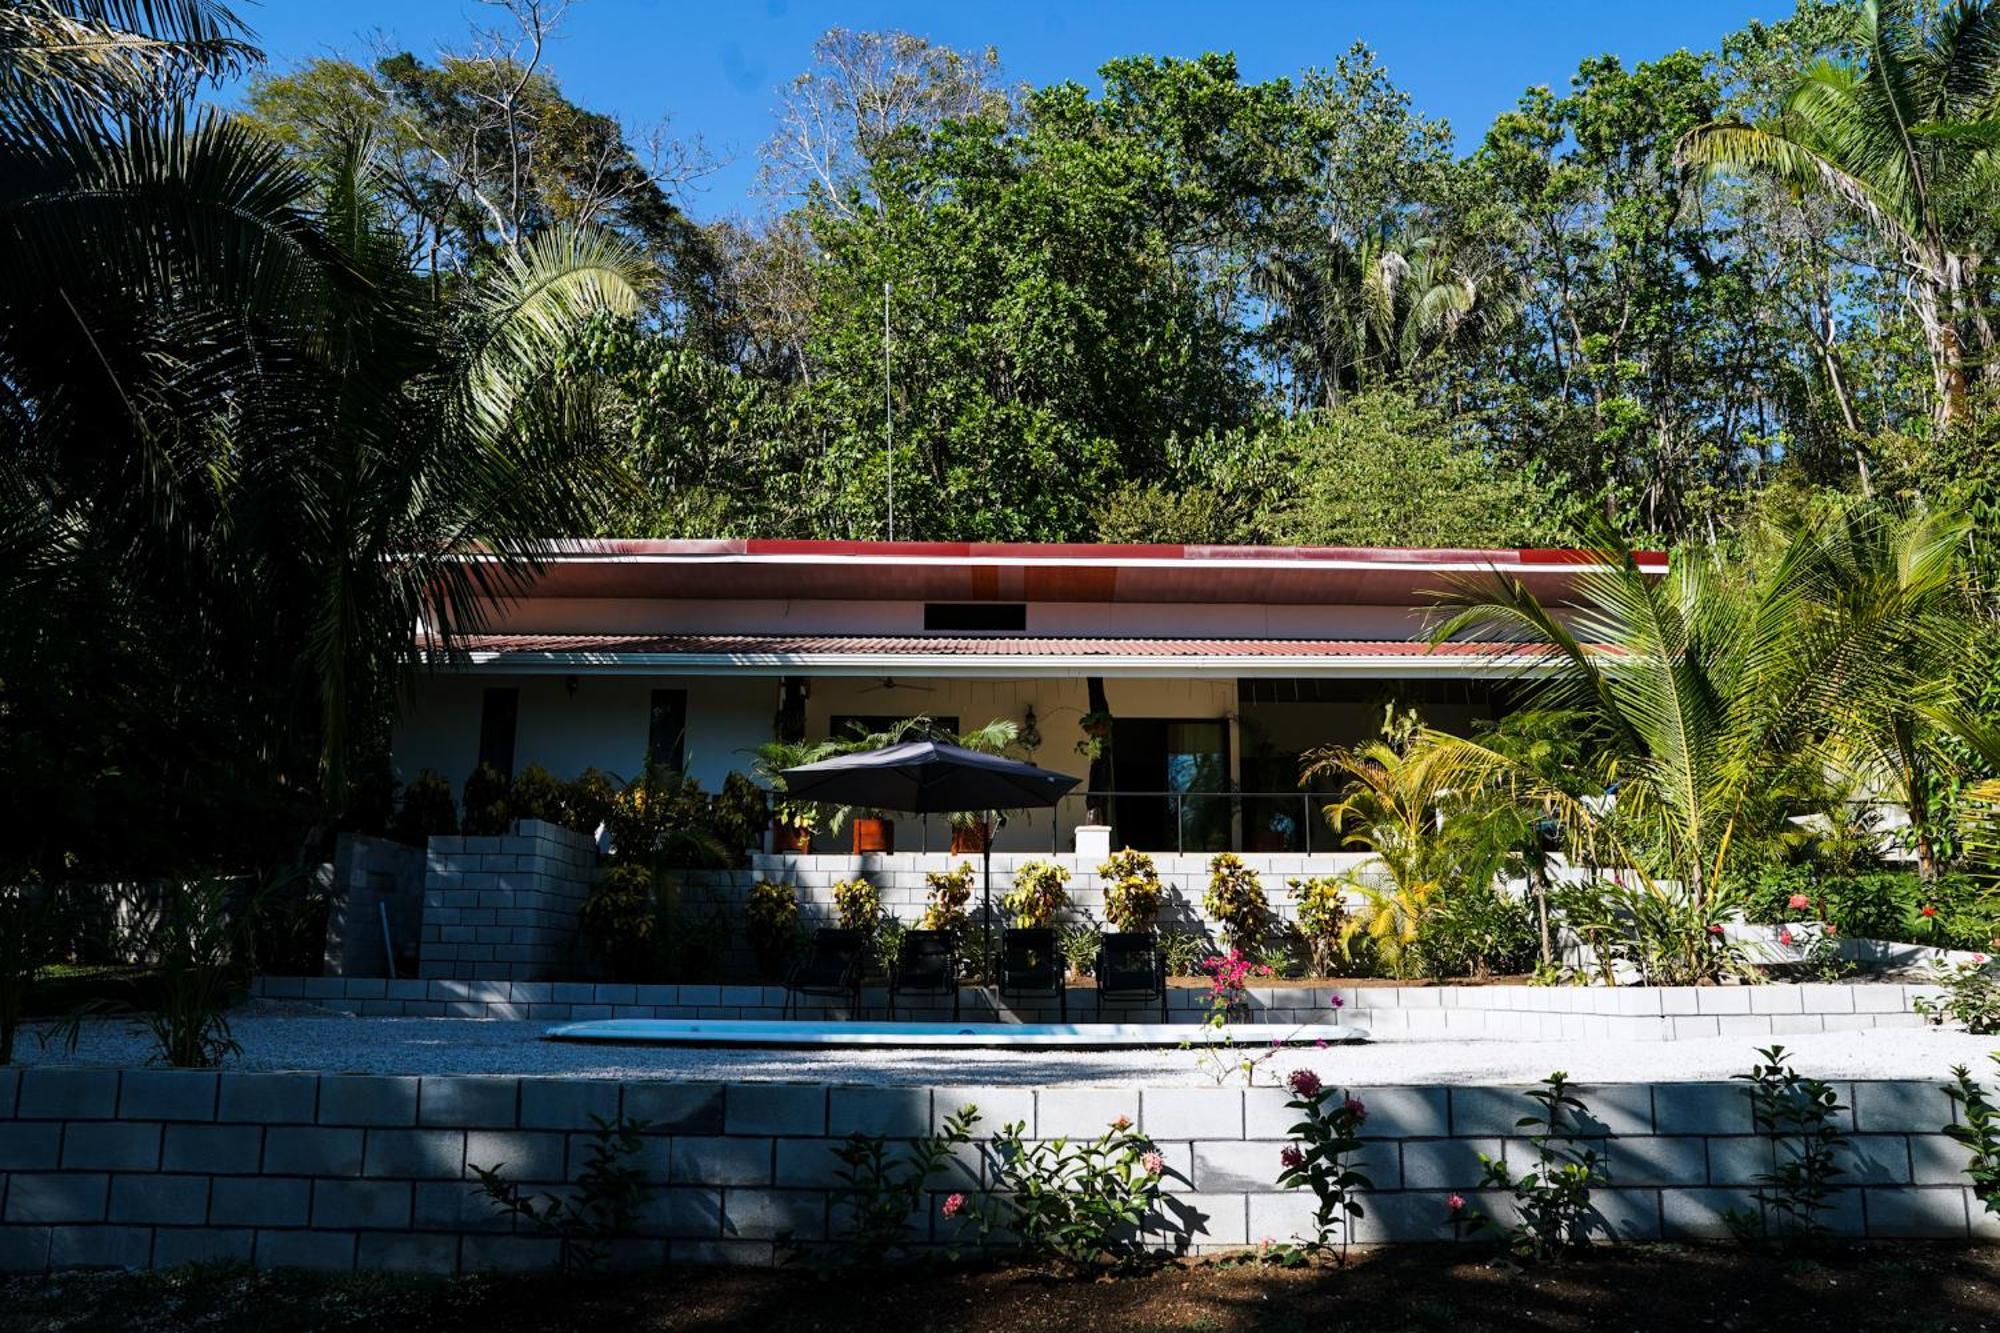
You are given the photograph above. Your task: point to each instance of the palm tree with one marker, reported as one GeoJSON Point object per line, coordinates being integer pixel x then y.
{"type": "Point", "coordinates": [248, 454]}
{"type": "Point", "coordinates": [1701, 687]}
{"type": "Point", "coordinates": [1904, 139]}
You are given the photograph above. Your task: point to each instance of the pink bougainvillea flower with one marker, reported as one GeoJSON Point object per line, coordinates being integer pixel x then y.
{"type": "Point", "coordinates": [1291, 1159]}
{"type": "Point", "coordinates": [1798, 902]}
{"type": "Point", "coordinates": [1122, 1123]}
{"type": "Point", "coordinates": [1319, 1044]}
{"type": "Point", "coordinates": [1455, 1204]}
{"type": "Point", "coordinates": [954, 1204]}
{"type": "Point", "coordinates": [1338, 1003]}
{"type": "Point", "coordinates": [1304, 1082]}
{"type": "Point", "coordinates": [1714, 929]}
{"type": "Point", "coordinates": [1154, 1163]}
{"type": "Point", "coordinates": [1356, 1108]}
{"type": "Point", "coordinates": [1979, 958]}
{"type": "Point", "coordinates": [1785, 937]}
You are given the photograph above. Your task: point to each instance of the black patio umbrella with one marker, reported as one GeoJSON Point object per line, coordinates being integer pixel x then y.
{"type": "Point", "coordinates": [929, 777]}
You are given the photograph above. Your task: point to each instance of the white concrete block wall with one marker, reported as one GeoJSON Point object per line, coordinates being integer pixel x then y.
{"type": "Point", "coordinates": [1523, 1013]}
{"type": "Point", "coordinates": [505, 908]}
{"type": "Point", "coordinates": [150, 1168]}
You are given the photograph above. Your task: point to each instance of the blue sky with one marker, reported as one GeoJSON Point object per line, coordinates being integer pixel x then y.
{"type": "Point", "coordinates": [712, 68]}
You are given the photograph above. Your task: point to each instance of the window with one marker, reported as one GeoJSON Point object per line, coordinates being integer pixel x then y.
{"type": "Point", "coordinates": [976, 615]}
{"type": "Point", "coordinates": [666, 730]}
{"type": "Point", "coordinates": [499, 712]}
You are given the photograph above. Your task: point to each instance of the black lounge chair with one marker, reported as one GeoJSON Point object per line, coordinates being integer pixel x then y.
{"type": "Point", "coordinates": [1132, 969]}
{"type": "Point", "coordinates": [1032, 967]}
{"type": "Point", "coordinates": [832, 967]}
{"type": "Point", "coordinates": [926, 964]}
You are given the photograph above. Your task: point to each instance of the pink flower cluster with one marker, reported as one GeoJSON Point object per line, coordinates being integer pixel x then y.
{"type": "Point", "coordinates": [954, 1204]}
{"type": "Point", "coordinates": [1455, 1204]}
{"type": "Point", "coordinates": [1356, 1108]}
{"type": "Point", "coordinates": [1798, 902]}
{"type": "Point", "coordinates": [1229, 977]}
{"type": "Point", "coordinates": [1291, 1158]}
{"type": "Point", "coordinates": [1304, 1083]}
{"type": "Point", "coordinates": [1154, 1163]}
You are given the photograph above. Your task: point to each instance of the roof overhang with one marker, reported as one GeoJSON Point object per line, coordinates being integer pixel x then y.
{"type": "Point", "coordinates": [1055, 572]}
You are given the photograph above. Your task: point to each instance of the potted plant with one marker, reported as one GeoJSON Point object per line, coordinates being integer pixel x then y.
{"type": "Point", "coordinates": [1096, 725]}
{"type": "Point", "coordinates": [873, 832]}
{"type": "Point", "coordinates": [793, 823]}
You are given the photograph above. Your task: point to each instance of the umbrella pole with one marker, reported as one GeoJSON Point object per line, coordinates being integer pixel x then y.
{"type": "Point", "coordinates": [986, 923]}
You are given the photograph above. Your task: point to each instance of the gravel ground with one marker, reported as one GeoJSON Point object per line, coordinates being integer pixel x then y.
{"type": "Point", "coordinates": [281, 1038]}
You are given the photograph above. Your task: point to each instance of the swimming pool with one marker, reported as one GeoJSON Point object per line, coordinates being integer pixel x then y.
{"type": "Point", "coordinates": [800, 1034]}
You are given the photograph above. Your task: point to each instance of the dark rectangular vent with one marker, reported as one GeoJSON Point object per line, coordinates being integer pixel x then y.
{"type": "Point", "coordinates": [989, 617]}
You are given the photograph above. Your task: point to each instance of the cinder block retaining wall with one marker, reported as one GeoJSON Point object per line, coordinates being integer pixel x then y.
{"type": "Point", "coordinates": [1632, 1013]}
{"type": "Point", "coordinates": [103, 1168]}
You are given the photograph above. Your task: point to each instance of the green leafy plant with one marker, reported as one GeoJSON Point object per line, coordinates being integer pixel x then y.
{"type": "Point", "coordinates": [1235, 900]}
{"type": "Point", "coordinates": [587, 799]}
{"type": "Point", "coordinates": [1082, 1203]}
{"type": "Point", "coordinates": [1131, 890]}
{"type": "Point", "coordinates": [1971, 997]}
{"type": "Point", "coordinates": [1322, 916]}
{"type": "Point", "coordinates": [886, 944]}
{"type": "Point", "coordinates": [1552, 1197]}
{"type": "Point", "coordinates": [1079, 942]}
{"type": "Point", "coordinates": [1800, 1116]}
{"type": "Point", "coordinates": [535, 794]}
{"type": "Point", "coordinates": [857, 904]}
{"type": "Point", "coordinates": [1038, 894]}
{"type": "Point", "coordinates": [1185, 947]}
{"type": "Point", "coordinates": [738, 816]}
{"type": "Point", "coordinates": [618, 918]}
{"type": "Point", "coordinates": [771, 921]}
{"type": "Point", "coordinates": [486, 802]}
{"type": "Point", "coordinates": [877, 1193]}
{"type": "Point", "coordinates": [1283, 950]}
{"type": "Point", "coordinates": [772, 759]}
{"type": "Point", "coordinates": [948, 893]}
{"type": "Point", "coordinates": [1320, 1158]}
{"type": "Point", "coordinates": [663, 820]}
{"type": "Point", "coordinates": [426, 810]}
{"type": "Point", "coordinates": [1477, 931]}
{"type": "Point", "coordinates": [27, 943]}
{"type": "Point", "coordinates": [604, 1204]}
{"type": "Point", "coordinates": [1976, 1128]}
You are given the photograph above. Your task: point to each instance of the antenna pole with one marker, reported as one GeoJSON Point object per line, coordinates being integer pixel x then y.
{"type": "Point", "coordinates": [888, 412]}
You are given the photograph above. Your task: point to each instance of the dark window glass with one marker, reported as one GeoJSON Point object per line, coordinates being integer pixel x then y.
{"type": "Point", "coordinates": [976, 615]}
{"type": "Point", "coordinates": [666, 730]}
{"type": "Point", "coordinates": [499, 714]}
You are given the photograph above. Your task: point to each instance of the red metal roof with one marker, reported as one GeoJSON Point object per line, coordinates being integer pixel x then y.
{"type": "Point", "coordinates": [945, 645]}
{"type": "Point", "coordinates": [758, 569]}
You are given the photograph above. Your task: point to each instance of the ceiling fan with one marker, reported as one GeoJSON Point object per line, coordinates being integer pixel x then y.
{"type": "Point", "coordinates": [891, 683]}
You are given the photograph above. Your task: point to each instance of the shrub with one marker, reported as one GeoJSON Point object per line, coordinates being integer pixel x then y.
{"type": "Point", "coordinates": [1476, 931]}
{"type": "Point", "coordinates": [486, 810]}
{"type": "Point", "coordinates": [1039, 894]}
{"type": "Point", "coordinates": [1319, 1158]}
{"type": "Point", "coordinates": [1077, 1203]}
{"type": "Point", "coordinates": [1322, 913]}
{"type": "Point", "coordinates": [618, 918]}
{"type": "Point", "coordinates": [1971, 997]}
{"type": "Point", "coordinates": [1976, 1127]}
{"type": "Point", "coordinates": [739, 814]}
{"type": "Point", "coordinates": [1185, 948]}
{"type": "Point", "coordinates": [857, 904]}
{"type": "Point", "coordinates": [1131, 890]}
{"type": "Point", "coordinates": [950, 892]}
{"type": "Point", "coordinates": [1881, 904]}
{"type": "Point", "coordinates": [1079, 942]}
{"type": "Point", "coordinates": [604, 1204]}
{"type": "Point", "coordinates": [586, 802]}
{"type": "Point", "coordinates": [1235, 900]}
{"type": "Point", "coordinates": [427, 811]}
{"type": "Point", "coordinates": [199, 944]}
{"type": "Point", "coordinates": [536, 795]}
{"type": "Point", "coordinates": [771, 921]}
{"type": "Point", "coordinates": [27, 942]}
{"type": "Point", "coordinates": [1800, 1117]}
{"type": "Point", "coordinates": [663, 819]}
{"type": "Point", "coordinates": [886, 944]}
{"type": "Point", "coordinates": [878, 1200]}
{"type": "Point", "coordinates": [1552, 1197]}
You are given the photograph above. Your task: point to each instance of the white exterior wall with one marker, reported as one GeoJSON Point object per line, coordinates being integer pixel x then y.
{"type": "Point", "coordinates": [602, 724]}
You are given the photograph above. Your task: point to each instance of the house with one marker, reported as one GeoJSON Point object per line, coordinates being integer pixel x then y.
{"type": "Point", "coordinates": [1208, 669]}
